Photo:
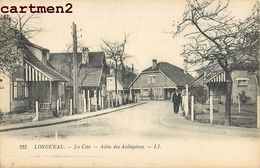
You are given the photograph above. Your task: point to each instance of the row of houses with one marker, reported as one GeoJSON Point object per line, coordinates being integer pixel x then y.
{"type": "Point", "coordinates": [47, 77]}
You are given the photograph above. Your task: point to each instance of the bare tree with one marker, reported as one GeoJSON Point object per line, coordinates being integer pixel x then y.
{"type": "Point", "coordinates": [249, 32]}
{"type": "Point", "coordinates": [215, 37]}
{"type": "Point", "coordinates": [14, 34]}
{"type": "Point", "coordinates": [115, 51]}
{"type": "Point", "coordinates": [25, 24]}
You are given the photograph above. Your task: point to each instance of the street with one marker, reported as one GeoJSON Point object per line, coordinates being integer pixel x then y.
{"type": "Point", "coordinates": [146, 130]}
{"type": "Point", "coordinates": [141, 121]}
{"type": "Point", "coordinates": [150, 120]}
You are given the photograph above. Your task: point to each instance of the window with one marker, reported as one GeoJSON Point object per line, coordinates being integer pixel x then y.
{"type": "Point", "coordinates": [151, 79]}
{"type": "Point", "coordinates": [145, 92]}
{"type": "Point", "coordinates": [242, 82]}
{"type": "Point", "coordinates": [18, 90]}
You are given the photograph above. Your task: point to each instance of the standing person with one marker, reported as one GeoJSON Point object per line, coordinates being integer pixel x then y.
{"type": "Point", "coordinates": [176, 99]}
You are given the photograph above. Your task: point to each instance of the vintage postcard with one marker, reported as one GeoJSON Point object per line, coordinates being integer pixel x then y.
{"type": "Point", "coordinates": [129, 83]}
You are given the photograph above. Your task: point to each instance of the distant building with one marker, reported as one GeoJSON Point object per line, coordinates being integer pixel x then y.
{"type": "Point", "coordinates": [245, 79]}
{"type": "Point", "coordinates": [159, 81]}
{"type": "Point", "coordinates": [125, 76]}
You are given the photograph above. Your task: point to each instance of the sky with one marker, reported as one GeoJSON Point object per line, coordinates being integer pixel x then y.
{"type": "Point", "coordinates": [148, 23]}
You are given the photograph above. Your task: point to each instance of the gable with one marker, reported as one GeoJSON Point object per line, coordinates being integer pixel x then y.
{"type": "Point", "coordinates": [161, 80]}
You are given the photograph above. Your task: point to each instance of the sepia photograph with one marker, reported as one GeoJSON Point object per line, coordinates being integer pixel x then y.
{"type": "Point", "coordinates": [130, 83]}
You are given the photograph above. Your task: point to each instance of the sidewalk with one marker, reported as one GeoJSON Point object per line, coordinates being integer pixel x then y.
{"type": "Point", "coordinates": [181, 123]}
{"type": "Point", "coordinates": [65, 119]}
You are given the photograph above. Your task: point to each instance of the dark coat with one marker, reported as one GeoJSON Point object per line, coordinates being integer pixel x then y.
{"type": "Point", "coordinates": [176, 99]}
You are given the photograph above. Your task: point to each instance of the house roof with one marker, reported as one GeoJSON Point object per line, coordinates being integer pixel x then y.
{"type": "Point", "coordinates": [44, 68]}
{"type": "Point", "coordinates": [197, 79]}
{"type": "Point", "coordinates": [36, 46]}
{"type": "Point", "coordinates": [174, 73]}
{"type": "Point", "coordinates": [127, 79]}
{"type": "Point", "coordinates": [95, 58]}
{"type": "Point", "coordinates": [89, 74]}
{"type": "Point", "coordinates": [25, 42]}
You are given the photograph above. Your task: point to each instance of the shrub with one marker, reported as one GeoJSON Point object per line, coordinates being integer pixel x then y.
{"type": "Point", "coordinates": [243, 98]}
{"type": "Point", "coordinates": [199, 93]}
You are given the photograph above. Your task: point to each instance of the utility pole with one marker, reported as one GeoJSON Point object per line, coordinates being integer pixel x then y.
{"type": "Point", "coordinates": [132, 90]}
{"type": "Point", "coordinates": [258, 89]}
{"type": "Point", "coordinates": [116, 69]}
{"type": "Point", "coordinates": [75, 69]}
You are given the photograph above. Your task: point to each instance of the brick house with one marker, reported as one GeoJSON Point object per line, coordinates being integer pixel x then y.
{"type": "Point", "coordinates": [34, 80]}
{"type": "Point", "coordinates": [245, 79]}
{"type": "Point", "coordinates": [159, 81]}
{"type": "Point", "coordinates": [91, 77]}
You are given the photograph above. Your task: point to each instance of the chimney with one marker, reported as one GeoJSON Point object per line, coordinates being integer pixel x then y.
{"type": "Point", "coordinates": [154, 63]}
{"type": "Point", "coordinates": [85, 57]}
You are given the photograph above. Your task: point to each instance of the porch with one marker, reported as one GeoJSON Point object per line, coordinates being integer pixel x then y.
{"type": "Point", "coordinates": [45, 86]}
{"type": "Point", "coordinates": [216, 87]}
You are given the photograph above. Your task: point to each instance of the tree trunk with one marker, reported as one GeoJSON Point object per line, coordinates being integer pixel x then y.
{"type": "Point", "coordinates": [228, 99]}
